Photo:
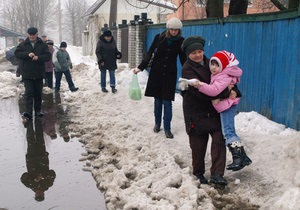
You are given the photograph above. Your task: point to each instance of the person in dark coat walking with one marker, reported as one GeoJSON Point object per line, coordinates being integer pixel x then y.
{"type": "Point", "coordinates": [201, 118]}
{"type": "Point", "coordinates": [34, 53]}
{"type": "Point", "coordinates": [163, 74]}
{"type": "Point", "coordinates": [107, 54]}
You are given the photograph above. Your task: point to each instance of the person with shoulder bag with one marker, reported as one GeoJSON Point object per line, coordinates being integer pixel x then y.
{"type": "Point", "coordinates": [163, 74]}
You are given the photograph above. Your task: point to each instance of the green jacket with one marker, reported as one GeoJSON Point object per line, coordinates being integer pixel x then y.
{"type": "Point", "coordinates": [62, 61]}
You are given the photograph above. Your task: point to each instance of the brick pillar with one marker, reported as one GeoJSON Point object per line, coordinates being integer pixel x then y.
{"type": "Point", "coordinates": [140, 43]}
{"type": "Point", "coordinates": [119, 41]}
{"type": "Point", "coordinates": [132, 46]}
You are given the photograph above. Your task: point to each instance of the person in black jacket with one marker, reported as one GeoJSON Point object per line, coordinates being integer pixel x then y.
{"type": "Point", "coordinates": [107, 54]}
{"type": "Point", "coordinates": [163, 73]}
{"type": "Point", "coordinates": [34, 53]}
{"type": "Point", "coordinates": [201, 118]}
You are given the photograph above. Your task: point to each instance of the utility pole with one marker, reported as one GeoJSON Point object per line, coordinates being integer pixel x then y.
{"type": "Point", "coordinates": [113, 12]}
{"type": "Point", "coordinates": [59, 22]}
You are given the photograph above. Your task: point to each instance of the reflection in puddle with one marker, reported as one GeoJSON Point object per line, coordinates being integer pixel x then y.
{"type": "Point", "coordinates": [38, 176]}
{"type": "Point", "coordinates": [40, 166]}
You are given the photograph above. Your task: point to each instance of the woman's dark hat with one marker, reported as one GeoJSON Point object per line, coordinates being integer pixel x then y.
{"type": "Point", "coordinates": [107, 33]}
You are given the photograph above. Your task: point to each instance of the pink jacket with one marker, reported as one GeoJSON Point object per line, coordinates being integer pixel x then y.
{"type": "Point", "coordinates": [230, 75]}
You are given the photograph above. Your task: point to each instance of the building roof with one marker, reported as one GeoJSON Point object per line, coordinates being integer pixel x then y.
{"type": "Point", "coordinates": [93, 8]}
{"type": "Point", "coordinates": [160, 3]}
{"type": "Point", "coordinates": [9, 33]}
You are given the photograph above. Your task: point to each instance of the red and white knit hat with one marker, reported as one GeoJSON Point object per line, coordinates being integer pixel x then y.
{"type": "Point", "coordinates": [224, 59]}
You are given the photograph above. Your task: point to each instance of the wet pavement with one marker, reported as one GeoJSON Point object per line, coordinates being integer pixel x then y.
{"type": "Point", "coordinates": [39, 161]}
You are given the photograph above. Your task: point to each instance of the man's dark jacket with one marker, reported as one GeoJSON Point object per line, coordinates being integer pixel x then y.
{"type": "Point", "coordinates": [33, 69]}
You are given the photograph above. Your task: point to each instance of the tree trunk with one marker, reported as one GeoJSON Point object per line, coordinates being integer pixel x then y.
{"type": "Point", "coordinates": [215, 8]}
{"type": "Point", "coordinates": [237, 7]}
{"type": "Point", "coordinates": [293, 4]}
{"type": "Point", "coordinates": [278, 5]}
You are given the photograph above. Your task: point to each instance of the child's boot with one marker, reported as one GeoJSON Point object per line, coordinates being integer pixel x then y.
{"type": "Point", "coordinates": [237, 157]}
{"type": "Point", "coordinates": [247, 160]}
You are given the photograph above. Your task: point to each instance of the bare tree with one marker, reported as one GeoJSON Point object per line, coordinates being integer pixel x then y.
{"type": "Point", "coordinates": [293, 4]}
{"type": "Point", "coordinates": [286, 4]}
{"type": "Point", "coordinates": [18, 15]}
{"type": "Point", "coordinates": [215, 8]}
{"type": "Point", "coordinates": [73, 24]}
{"type": "Point", "coordinates": [237, 7]}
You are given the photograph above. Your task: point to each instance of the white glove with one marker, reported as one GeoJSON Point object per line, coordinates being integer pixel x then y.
{"type": "Point", "coordinates": [183, 83]}
{"type": "Point", "coordinates": [193, 82]}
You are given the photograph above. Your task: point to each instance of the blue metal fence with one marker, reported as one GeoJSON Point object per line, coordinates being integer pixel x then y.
{"type": "Point", "coordinates": [268, 48]}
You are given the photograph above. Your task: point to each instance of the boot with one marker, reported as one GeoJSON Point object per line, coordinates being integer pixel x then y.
{"type": "Point", "coordinates": [104, 90]}
{"type": "Point", "coordinates": [169, 135]}
{"type": "Point", "coordinates": [218, 179]}
{"type": "Point", "coordinates": [156, 128]}
{"type": "Point", "coordinates": [247, 160]}
{"type": "Point", "coordinates": [201, 178]}
{"type": "Point", "coordinates": [237, 158]}
{"type": "Point", "coordinates": [27, 115]}
{"type": "Point", "coordinates": [74, 89]}
{"type": "Point", "coordinates": [113, 90]}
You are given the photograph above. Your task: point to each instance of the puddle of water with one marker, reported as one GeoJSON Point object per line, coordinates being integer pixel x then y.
{"type": "Point", "coordinates": [45, 148]}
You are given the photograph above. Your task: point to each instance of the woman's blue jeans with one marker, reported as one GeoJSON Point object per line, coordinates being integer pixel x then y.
{"type": "Point", "coordinates": [228, 128]}
{"type": "Point", "coordinates": [112, 78]}
{"type": "Point", "coordinates": [159, 104]}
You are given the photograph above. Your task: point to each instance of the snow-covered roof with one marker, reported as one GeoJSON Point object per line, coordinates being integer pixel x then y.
{"type": "Point", "coordinates": [8, 33]}
{"type": "Point", "coordinates": [93, 8]}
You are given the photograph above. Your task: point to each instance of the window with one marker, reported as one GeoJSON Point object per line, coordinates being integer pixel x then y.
{"type": "Point", "coordinates": [200, 3]}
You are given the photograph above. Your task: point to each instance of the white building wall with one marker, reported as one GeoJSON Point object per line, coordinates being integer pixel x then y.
{"type": "Point", "coordinates": [125, 12]}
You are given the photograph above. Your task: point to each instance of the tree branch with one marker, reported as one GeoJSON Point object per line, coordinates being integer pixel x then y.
{"type": "Point", "coordinates": [278, 5]}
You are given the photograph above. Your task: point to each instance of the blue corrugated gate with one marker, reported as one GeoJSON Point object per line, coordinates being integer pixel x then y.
{"type": "Point", "coordinates": [268, 48]}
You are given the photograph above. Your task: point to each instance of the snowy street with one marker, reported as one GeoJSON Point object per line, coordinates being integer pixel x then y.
{"type": "Point", "coordinates": [139, 169]}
